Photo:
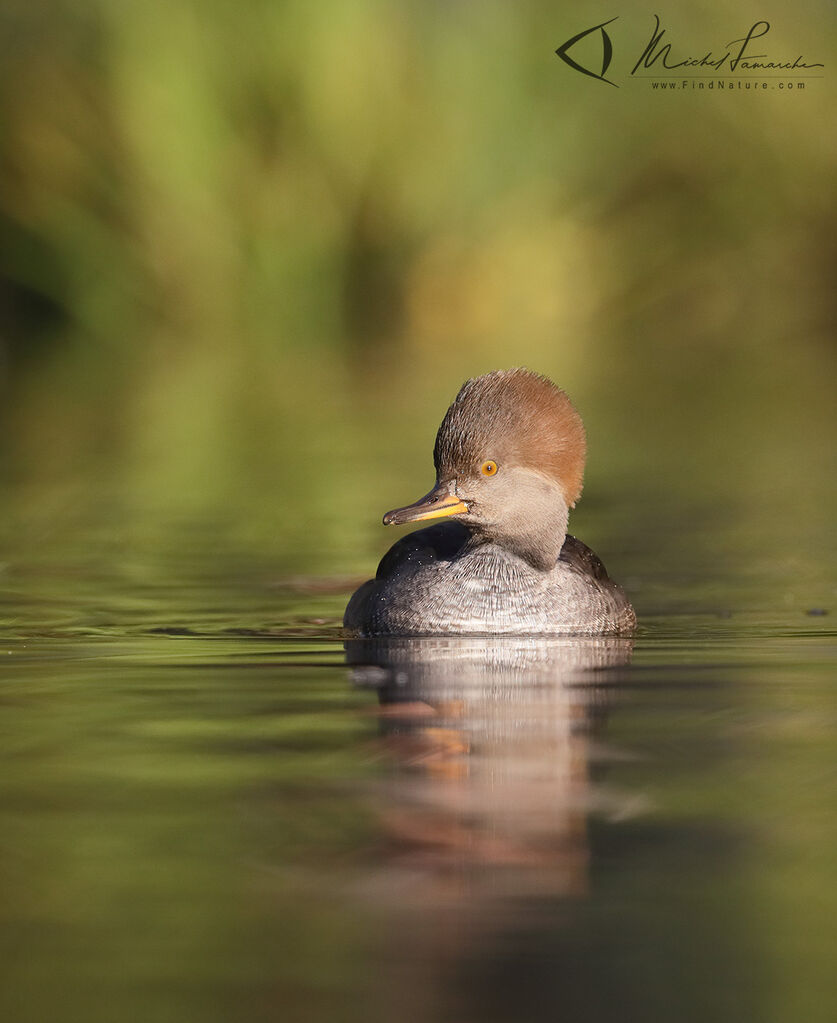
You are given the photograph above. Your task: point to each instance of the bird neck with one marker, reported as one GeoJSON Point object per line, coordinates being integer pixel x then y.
{"type": "Point", "coordinates": [536, 538]}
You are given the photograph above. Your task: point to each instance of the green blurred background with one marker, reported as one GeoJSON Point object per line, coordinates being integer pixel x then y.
{"type": "Point", "coordinates": [249, 254]}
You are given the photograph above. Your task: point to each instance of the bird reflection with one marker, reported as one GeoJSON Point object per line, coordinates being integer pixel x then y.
{"type": "Point", "coordinates": [488, 739]}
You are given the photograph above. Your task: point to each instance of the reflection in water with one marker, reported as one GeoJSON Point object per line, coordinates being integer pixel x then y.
{"type": "Point", "coordinates": [490, 738]}
{"type": "Point", "coordinates": [490, 790]}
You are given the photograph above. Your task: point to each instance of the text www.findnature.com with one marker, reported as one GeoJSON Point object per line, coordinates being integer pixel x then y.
{"type": "Point", "coordinates": [722, 85]}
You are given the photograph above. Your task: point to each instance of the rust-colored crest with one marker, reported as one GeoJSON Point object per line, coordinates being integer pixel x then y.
{"type": "Point", "coordinates": [515, 417]}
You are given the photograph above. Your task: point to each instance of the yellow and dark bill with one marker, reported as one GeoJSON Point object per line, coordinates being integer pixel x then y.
{"type": "Point", "coordinates": [438, 503]}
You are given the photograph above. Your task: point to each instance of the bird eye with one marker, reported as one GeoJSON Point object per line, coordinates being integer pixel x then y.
{"type": "Point", "coordinates": [488, 468]}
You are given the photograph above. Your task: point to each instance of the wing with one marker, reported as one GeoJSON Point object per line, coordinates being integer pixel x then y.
{"type": "Point", "coordinates": [579, 557]}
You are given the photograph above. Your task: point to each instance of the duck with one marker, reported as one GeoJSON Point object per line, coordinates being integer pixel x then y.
{"type": "Point", "coordinates": [509, 456]}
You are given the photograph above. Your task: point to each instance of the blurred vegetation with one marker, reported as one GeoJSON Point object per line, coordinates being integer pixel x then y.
{"type": "Point", "coordinates": [247, 257]}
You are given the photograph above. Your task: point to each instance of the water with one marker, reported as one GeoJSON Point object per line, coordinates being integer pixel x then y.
{"type": "Point", "coordinates": [210, 809]}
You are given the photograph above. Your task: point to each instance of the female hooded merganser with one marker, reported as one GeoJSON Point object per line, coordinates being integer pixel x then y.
{"type": "Point", "coordinates": [509, 461]}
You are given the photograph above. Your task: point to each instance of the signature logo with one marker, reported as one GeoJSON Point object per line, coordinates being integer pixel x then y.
{"type": "Point", "coordinates": [735, 57]}
{"type": "Point", "coordinates": [607, 52]}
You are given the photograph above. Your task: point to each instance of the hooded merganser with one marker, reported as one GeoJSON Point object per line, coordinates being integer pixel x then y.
{"type": "Point", "coordinates": [509, 461]}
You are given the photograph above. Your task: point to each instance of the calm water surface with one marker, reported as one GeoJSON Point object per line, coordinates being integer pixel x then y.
{"type": "Point", "coordinates": [212, 809]}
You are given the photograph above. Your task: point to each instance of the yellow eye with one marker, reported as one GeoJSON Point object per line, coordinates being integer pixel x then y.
{"type": "Point", "coordinates": [488, 468]}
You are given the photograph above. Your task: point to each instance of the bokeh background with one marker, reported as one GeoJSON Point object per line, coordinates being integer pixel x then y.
{"type": "Point", "coordinates": [247, 256]}
{"type": "Point", "coordinates": [248, 253]}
